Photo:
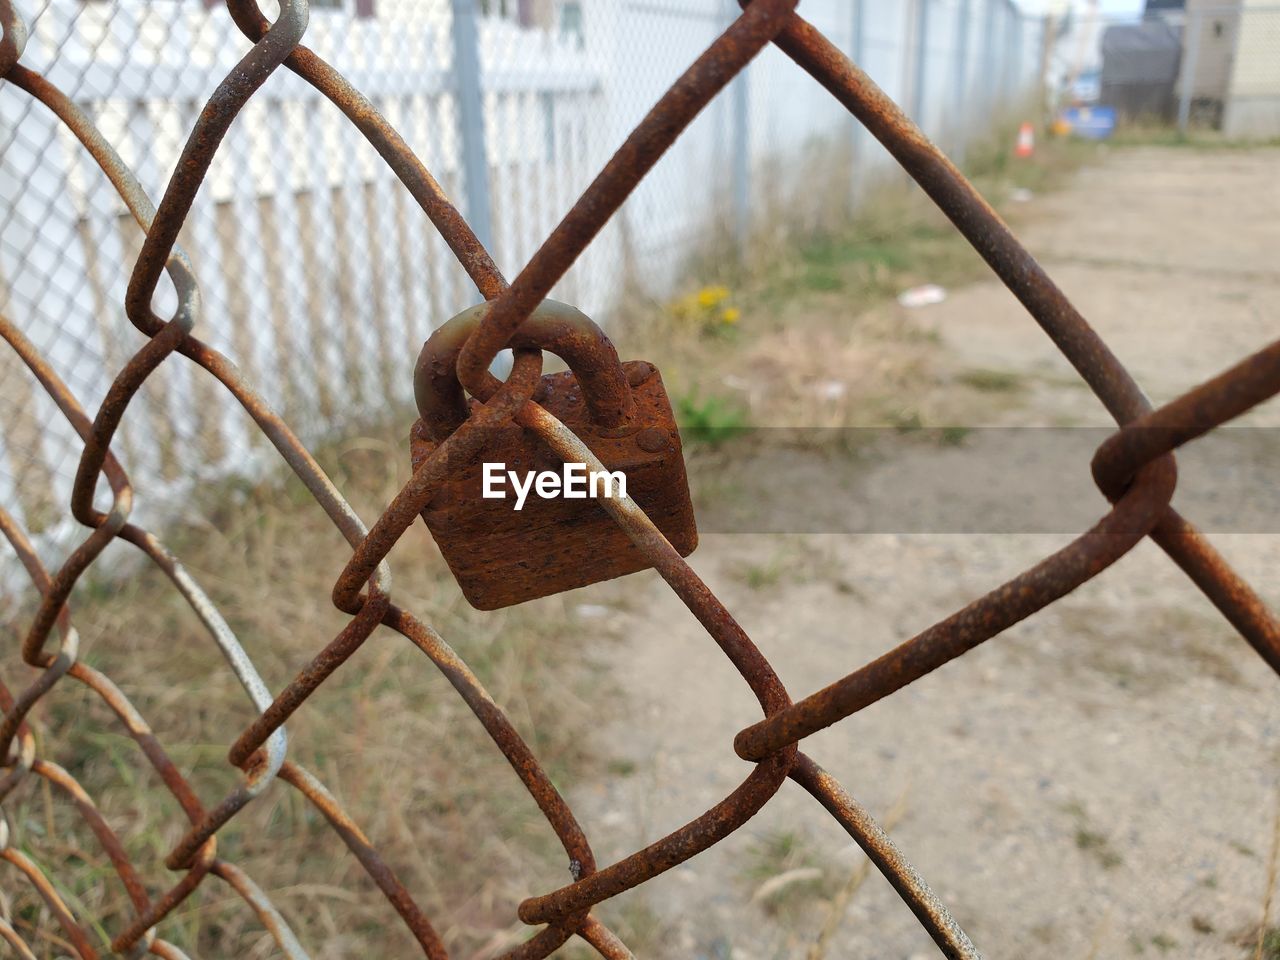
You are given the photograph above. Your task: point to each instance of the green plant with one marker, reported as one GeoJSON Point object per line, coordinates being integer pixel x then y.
{"type": "Point", "coordinates": [1163, 942]}
{"type": "Point", "coordinates": [1099, 847]}
{"type": "Point", "coordinates": [992, 381]}
{"type": "Point", "coordinates": [906, 421]}
{"type": "Point", "coordinates": [710, 421]}
{"type": "Point", "coordinates": [785, 873]}
{"type": "Point", "coordinates": [708, 309]}
{"type": "Point", "coordinates": [1268, 947]}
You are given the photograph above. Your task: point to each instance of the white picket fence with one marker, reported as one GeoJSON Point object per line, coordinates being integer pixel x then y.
{"type": "Point", "coordinates": [319, 274]}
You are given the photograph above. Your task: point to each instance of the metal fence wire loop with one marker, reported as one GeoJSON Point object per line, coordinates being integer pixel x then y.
{"type": "Point", "coordinates": [1134, 468]}
{"type": "Point", "coordinates": [553, 326]}
{"type": "Point", "coordinates": [13, 35]}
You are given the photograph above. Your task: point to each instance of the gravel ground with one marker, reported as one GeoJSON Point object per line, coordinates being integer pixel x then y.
{"type": "Point", "coordinates": [1100, 781]}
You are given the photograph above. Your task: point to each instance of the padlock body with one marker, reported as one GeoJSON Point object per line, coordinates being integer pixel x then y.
{"type": "Point", "coordinates": [502, 556]}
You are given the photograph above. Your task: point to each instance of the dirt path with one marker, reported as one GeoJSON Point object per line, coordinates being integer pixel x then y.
{"type": "Point", "coordinates": [1101, 781]}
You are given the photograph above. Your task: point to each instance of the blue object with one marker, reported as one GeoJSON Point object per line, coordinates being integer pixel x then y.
{"type": "Point", "coordinates": [1096, 123]}
{"type": "Point", "coordinates": [1087, 87]}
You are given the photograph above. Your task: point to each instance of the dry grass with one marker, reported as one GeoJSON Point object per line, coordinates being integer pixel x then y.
{"type": "Point", "coordinates": [1268, 937]}
{"type": "Point", "coordinates": [839, 902]}
{"type": "Point", "coordinates": [386, 733]}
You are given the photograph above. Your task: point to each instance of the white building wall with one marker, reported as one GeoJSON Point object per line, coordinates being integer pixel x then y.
{"type": "Point", "coordinates": [1253, 104]}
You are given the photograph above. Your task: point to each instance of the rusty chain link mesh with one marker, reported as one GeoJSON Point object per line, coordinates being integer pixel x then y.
{"type": "Point", "coordinates": [1134, 468]}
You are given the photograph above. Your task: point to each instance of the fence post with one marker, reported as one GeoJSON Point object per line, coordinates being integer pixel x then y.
{"type": "Point", "coordinates": [857, 46]}
{"type": "Point", "coordinates": [1194, 24]}
{"type": "Point", "coordinates": [741, 161]}
{"type": "Point", "coordinates": [921, 72]}
{"type": "Point", "coordinates": [1019, 41]}
{"type": "Point", "coordinates": [475, 157]}
{"type": "Point", "coordinates": [959, 81]}
{"type": "Point", "coordinates": [740, 141]}
{"type": "Point", "coordinates": [1007, 74]}
{"type": "Point", "coordinates": [987, 67]}
{"type": "Point", "coordinates": [1043, 104]}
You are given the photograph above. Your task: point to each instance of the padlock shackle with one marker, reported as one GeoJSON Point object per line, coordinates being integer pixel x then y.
{"type": "Point", "coordinates": [555, 327]}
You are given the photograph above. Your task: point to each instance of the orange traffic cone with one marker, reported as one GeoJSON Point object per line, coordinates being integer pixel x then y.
{"type": "Point", "coordinates": [1026, 145]}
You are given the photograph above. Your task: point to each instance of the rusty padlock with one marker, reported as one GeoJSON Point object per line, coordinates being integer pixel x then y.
{"type": "Point", "coordinates": [501, 555]}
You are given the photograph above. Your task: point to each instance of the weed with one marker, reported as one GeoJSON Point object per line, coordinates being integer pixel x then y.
{"type": "Point", "coordinates": [906, 421]}
{"type": "Point", "coordinates": [1044, 933]}
{"type": "Point", "coordinates": [953, 436]}
{"type": "Point", "coordinates": [709, 310]}
{"type": "Point", "coordinates": [775, 853]}
{"type": "Point", "coordinates": [710, 421]}
{"type": "Point", "coordinates": [883, 251]}
{"type": "Point", "coordinates": [758, 576]}
{"type": "Point", "coordinates": [793, 560]}
{"type": "Point", "coordinates": [785, 873]}
{"type": "Point", "coordinates": [632, 918]}
{"type": "Point", "coordinates": [992, 381]}
{"type": "Point", "coordinates": [1163, 942]}
{"type": "Point", "coordinates": [1099, 846]}
{"type": "Point", "coordinates": [1092, 841]}
{"type": "Point", "coordinates": [1088, 840]}
{"type": "Point", "coordinates": [638, 925]}
{"type": "Point", "coordinates": [1268, 944]}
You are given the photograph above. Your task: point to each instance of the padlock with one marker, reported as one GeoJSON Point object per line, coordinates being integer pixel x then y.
{"type": "Point", "coordinates": [502, 556]}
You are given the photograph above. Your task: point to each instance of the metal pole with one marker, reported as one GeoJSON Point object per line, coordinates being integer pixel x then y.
{"type": "Point", "coordinates": [1043, 105]}
{"type": "Point", "coordinates": [467, 88]}
{"type": "Point", "coordinates": [959, 82]}
{"type": "Point", "coordinates": [740, 104]}
{"type": "Point", "coordinates": [1006, 63]}
{"type": "Point", "coordinates": [918, 91]}
{"type": "Point", "coordinates": [1194, 24]}
{"type": "Point", "coordinates": [857, 51]}
{"type": "Point", "coordinates": [741, 162]}
{"type": "Point", "coordinates": [987, 68]}
{"type": "Point", "coordinates": [1019, 41]}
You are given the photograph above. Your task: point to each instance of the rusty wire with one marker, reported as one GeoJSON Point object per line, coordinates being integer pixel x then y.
{"type": "Point", "coordinates": [1134, 469]}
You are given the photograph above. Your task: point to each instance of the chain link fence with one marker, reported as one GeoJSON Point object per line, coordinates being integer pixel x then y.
{"type": "Point", "coordinates": [330, 279]}
{"type": "Point", "coordinates": [1134, 467]}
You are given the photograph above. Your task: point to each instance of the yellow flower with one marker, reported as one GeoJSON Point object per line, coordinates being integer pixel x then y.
{"type": "Point", "coordinates": [709, 297]}
{"type": "Point", "coordinates": [685, 307]}
{"type": "Point", "coordinates": [731, 315]}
